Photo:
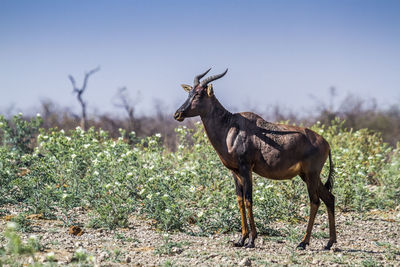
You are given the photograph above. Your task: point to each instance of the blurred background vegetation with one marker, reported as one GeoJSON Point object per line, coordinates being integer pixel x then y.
{"type": "Point", "coordinates": [356, 112]}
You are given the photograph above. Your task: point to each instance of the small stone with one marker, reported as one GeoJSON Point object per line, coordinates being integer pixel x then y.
{"type": "Point", "coordinates": [103, 256]}
{"type": "Point", "coordinates": [128, 259]}
{"type": "Point", "coordinates": [245, 262]}
{"type": "Point", "coordinates": [75, 230]}
{"type": "Point", "coordinates": [177, 250]}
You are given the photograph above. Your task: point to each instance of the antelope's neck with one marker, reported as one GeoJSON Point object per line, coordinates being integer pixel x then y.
{"type": "Point", "coordinates": [217, 123]}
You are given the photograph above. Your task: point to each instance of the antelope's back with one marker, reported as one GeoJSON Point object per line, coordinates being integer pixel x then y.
{"type": "Point", "coordinates": [281, 151]}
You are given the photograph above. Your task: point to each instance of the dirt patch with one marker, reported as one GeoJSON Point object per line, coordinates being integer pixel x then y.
{"type": "Point", "coordinates": [363, 239]}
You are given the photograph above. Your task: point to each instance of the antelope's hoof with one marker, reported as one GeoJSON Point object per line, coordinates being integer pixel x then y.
{"type": "Point", "coordinates": [237, 244]}
{"type": "Point", "coordinates": [240, 242]}
{"type": "Point", "coordinates": [329, 245]}
{"type": "Point", "coordinates": [249, 245]}
{"type": "Point", "coordinates": [302, 246]}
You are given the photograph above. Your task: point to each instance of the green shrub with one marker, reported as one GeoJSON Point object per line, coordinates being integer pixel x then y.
{"type": "Point", "coordinates": [18, 133]}
{"type": "Point", "coordinates": [364, 165]}
{"type": "Point", "coordinates": [187, 190]}
{"type": "Point", "coordinates": [16, 250]}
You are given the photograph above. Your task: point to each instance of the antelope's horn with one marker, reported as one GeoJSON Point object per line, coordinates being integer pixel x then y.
{"type": "Point", "coordinates": [198, 77]}
{"type": "Point", "coordinates": [213, 78]}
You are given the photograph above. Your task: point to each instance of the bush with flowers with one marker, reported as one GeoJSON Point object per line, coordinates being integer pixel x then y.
{"type": "Point", "coordinates": [187, 190]}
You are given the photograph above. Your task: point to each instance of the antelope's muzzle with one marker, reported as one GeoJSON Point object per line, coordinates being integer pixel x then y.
{"type": "Point", "coordinates": [178, 116]}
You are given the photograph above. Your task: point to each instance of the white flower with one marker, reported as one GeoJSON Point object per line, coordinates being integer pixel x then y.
{"type": "Point", "coordinates": [38, 115]}
{"type": "Point", "coordinates": [64, 196]}
{"type": "Point", "coordinates": [200, 214]}
{"type": "Point", "coordinates": [50, 255]}
{"type": "Point", "coordinates": [129, 174]}
{"type": "Point", "coordinates": [68, 138]}
{"type": "Point", "coordinates": [149, 196]}
{"type": "Point", "coordinates": [61, 131]}
{"type": "Point", "coordinates": [45, 137]}
{"type": "Point", "coordinates": [108, 186]}
{"type": "Point", "coordinates": [192, 189]}
{"type": "Point", "coordinates": [152, 142]}
{"type": "Point", "coordinates": [80, 250]}
{"type": "Point", "coordinates": [33, 237]}
{"type": "Point", "coordinates": [96, 173]}
{"type": "Point", "coordinates": [12, 225]}
{"type": "Point", "coordinates": [141, 191]}
{"type": "Point", "coordinates": [73, 156]}
{"type": "Point", "coordinates": [167, 211]}
{"type": "Point", "coordinates": [158, 135]}
{"type": "Point", "coordinates": [117, 183]}
{"type": "Point", "coordinates": [86, 145]}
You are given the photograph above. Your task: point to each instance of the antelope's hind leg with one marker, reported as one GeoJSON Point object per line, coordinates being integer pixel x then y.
{"type": "Point", "coordinates": [329, 199]}
{"type": "Point", "coordinates": [312, 188]}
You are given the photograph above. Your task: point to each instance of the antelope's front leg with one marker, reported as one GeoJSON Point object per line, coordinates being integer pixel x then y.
{"type": "Point", "coordinates": [240, 200]}
{"type": "Point", "coordinates": [248, 201]}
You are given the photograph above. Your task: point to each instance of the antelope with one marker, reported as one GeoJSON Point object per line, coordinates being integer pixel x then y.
{"type": "Point", "coordinates": [246, 143]}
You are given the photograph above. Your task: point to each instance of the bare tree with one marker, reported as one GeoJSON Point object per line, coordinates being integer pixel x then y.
{"type": "Point", "coordinates": [79, 92]}
{"type": "Point", "coordinates": [125, 102]}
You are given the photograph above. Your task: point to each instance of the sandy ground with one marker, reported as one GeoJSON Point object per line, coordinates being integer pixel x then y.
{"type": "Point", "coordinates": [370, 239]}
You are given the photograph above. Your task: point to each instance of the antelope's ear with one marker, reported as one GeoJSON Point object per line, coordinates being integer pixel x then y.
{"type": "Point", "coordinates": [186, 87]}
{"type": "Point", "coordinates": [210, 90]}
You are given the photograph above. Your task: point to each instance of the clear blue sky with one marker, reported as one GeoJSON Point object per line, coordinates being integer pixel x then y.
{"type": "Point", "coordinates": [277, 52]}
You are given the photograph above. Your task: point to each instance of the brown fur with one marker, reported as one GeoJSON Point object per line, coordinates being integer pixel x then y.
{"type": "Point", "coordinates": [247, 143]}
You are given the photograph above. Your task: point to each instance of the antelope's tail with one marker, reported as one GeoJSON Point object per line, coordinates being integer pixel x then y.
{"type": "Point", "coordinates": [329, 183]}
